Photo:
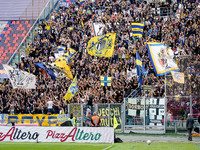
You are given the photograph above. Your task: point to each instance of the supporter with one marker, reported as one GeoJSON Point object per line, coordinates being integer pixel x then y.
{"type": "Point", "coordinates": [179, 30]}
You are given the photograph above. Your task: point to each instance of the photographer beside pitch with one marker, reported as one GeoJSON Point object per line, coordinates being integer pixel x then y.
{"type": "Point", "coordinates": [189, 126]}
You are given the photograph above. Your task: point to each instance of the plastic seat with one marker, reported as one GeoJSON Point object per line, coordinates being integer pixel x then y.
{"type": "Point", "coordinates": [9, 54]}
{"type": "Point", "coordinates": [4, 61]}
{"type": "Point", "coordinates": [7, 25]}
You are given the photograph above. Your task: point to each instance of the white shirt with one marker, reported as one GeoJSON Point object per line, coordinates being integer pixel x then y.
{"type": "Point", "coordinates": [50, 104]}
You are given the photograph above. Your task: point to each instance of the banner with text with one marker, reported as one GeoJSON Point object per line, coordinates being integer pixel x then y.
{"type": "Point", "coordinates": [41, 119]}
{"type": "Point", "coordinates": [58, 134]}
{"type": "Point", "coordinates": [115, 116]}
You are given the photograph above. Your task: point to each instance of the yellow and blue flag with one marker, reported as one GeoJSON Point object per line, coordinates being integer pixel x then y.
{"type": "Point", "coordinates": [162, 62]}
{"type": "Point", "coordinates": [178, 77]}
{"type": "Point", "coordinates": [72, 90]}
{"type": "Point", "coordinates": [137, 29]}
{"type": "Point", "coordinates": [64, 4]}
{"type": "Point", "coordinates": [168, 83]}
{"type": "Point", "coordinates": [82, 1]}
{"type": "Point", "coordinates": [61, 48]}
{"type": "Point", "coordinates": [63, 62]}
{"type": "Point", "coordinates": [151, 40]}
{"type": "Point", "coordinates": [106, 81]}
{"type": "Point", "coordinates": [64, 68]}
{"type": "Point", "coordinates": [140, 68]}
{"type": "Point", "coordinates": [102, 46]}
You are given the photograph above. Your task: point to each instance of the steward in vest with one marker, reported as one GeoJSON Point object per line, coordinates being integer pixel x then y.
{"type": "Point", "coordinates": [73, 120]}
{"type": "Point", "coordinates": [95, 120]}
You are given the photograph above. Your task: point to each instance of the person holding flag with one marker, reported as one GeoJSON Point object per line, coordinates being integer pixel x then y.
{"type": "Point", "coordinates": [140, 69]}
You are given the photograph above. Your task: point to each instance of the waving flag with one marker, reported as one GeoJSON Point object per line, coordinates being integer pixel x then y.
{"type": "Point", "coordinates": [140, 68]}
{"type": "Point", "coordinates": [47, 69]}
{"type": "Point", "coordinates": [97, 29]}
{"type": "Point", "coordinates": [178, 77]}
{"type": "Point", "coordinates": [102, 46]}
{"type": "Point", "coordinates": [20, 79]}
{"type": "Point", "coordinates": [161, 60]}
{"type": "Point", "coordinates": [72, 90]}
{"type": "Point", "coordinates": [82, 1]}
{"type": "Point", "coordinates": [105, 81]}
{"type": "Point", "coordinates": [137, 29]}
{"type": "Point", "coordinates": [61, 48]}
{"type": "Point", "coordinates": [64, 4]}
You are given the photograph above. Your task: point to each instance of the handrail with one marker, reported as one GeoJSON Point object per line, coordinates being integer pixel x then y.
{"type": "Point", "coordinates": [29, 31]}
{"type": "Point", "coordinates": [135, 90]}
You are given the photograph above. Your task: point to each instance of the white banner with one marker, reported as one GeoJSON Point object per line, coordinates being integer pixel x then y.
{"type": "Point", "coordinates": [58, 134]}
{"type": "Point", "coordinates": [97, 29]}
{"type": "Point", "coordinates": [19, 78]}
{"type": "Point", "coordinates": [160, 58]}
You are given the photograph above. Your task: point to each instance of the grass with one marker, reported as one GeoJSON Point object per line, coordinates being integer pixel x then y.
{"type": "Point", "coordinates": [89, 146]}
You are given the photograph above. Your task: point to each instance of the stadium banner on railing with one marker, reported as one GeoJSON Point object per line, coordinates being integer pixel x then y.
{"type": "Point", "coordinates": [40, 119]}
{"type": "Point", "coordinates": [115, 116]}
{"type": "Point", "coordinates": [151, 108]}
{"type": "Point", "coordinates": [58, 134]}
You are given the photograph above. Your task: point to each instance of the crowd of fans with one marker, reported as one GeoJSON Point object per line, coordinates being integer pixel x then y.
{"type": "Point", "coordinates": [179, 30]}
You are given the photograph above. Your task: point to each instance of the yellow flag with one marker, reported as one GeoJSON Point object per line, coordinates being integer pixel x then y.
{"type": "Point", "coordinates": [67, 72]}
{"type": "Point", "coordinates": [63, 61]}
{"type": "Point", "coordinates": [115, 123]}
{"type": "Point", "coordinates": [178, 77]}
{"type": "Point", "coordinates": [72, 90]}
{"type": "Point", "coordinates": [102, 46]}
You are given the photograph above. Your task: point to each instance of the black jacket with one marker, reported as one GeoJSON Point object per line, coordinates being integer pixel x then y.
{"type": "Point", "coordinates": [190, 122]}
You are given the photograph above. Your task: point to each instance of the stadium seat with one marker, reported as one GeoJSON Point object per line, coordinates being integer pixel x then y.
{"type": "Point", "coordinates": [4, 61]}
{"type": "Point", "coordinates": [9, 54]}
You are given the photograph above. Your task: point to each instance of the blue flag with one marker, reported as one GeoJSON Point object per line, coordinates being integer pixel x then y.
{"type": "Point", "coordinates": [140, 68]}
{"type": "Point", "coordinates": [48, 70]}
{"type": "Point", "coordinates": [64, 4]}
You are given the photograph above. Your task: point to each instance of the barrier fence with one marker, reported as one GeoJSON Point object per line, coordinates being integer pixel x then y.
{"type": "Point", "coordinates": [140, 115]}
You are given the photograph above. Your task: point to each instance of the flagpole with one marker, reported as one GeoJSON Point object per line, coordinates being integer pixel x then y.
{"type": "Point", "coordinates": [165, 109]}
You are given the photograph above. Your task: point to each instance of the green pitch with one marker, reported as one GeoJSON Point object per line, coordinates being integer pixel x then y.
{"type": "Point", "coordinates": [85, 146]}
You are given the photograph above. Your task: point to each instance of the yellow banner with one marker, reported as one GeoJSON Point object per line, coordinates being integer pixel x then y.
{"type": "Point", "coordinates": [102, 46]}
{"type": "Point", "coordinates": [40, 119]}
{"type": "Point", "coordinates": [178, 77]}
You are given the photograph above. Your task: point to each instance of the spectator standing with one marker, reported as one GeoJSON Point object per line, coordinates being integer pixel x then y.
{"type": "Point", "coordinates": [50, 106]}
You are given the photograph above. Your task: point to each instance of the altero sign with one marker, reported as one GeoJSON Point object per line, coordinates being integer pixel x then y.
{"type": "Point", "coordinates": [58, 134]}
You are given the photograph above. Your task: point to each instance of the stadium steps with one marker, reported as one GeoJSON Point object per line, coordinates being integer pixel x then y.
{"type": "Point", "coordinates": [21, 10]}
{"type": "Point", "coordinates": [11, 37]}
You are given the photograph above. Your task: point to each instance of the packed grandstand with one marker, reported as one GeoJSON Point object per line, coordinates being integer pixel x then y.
{"type": "Point", "coordinates": [70, 26]}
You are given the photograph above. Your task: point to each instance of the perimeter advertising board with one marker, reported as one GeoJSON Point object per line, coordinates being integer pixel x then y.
{"type": "Point", "coordinates": [58, 134]}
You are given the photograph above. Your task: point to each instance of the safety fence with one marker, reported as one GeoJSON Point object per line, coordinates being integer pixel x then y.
{"type": "Point", "coordinates": [139, 115]}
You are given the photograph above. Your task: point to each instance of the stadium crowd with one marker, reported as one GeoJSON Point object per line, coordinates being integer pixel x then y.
{"type": "Point", "coordinates": [179, 30]}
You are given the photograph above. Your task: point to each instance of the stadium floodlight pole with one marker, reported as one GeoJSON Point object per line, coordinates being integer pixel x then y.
{"type": "Point", "coordinates": [165, 99]}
